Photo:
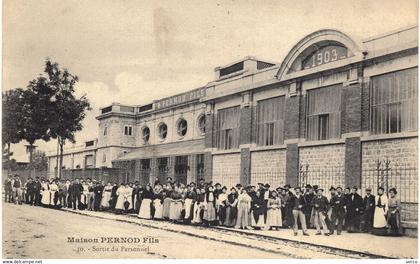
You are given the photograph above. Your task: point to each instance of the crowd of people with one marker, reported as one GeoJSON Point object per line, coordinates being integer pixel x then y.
{"type": "Point", "coordinates": [257, 207]}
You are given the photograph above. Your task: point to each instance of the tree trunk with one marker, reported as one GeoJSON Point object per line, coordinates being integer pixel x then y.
{"type": "Point", "coordinates": [62, 142]}
{"type": "Point", "coordinates": [31, 154]}
{"type": "Point", "coordinates": [9, 169]}
{"type": "Point", "coordinates": [56, 159]}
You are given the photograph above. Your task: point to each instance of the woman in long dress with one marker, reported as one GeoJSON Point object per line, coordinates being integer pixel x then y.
{"type": "Point", "coordinates": [84, 195]}
{"type": "Point", "coordinates": [199, 206]}
{"type": "Point", "coordinates": [258, 208]}
{"type": "Point", "coordinates": [158, 205]}
{"type": "Point", "coordinates": [145, 208]}
{"type": "Point", "coordinates": [393, 217]}
{"type": "Point", "coordinates": [122, 197]}
{"type": "Point", "coordinates": [45, 192]}
{"type": "Point", "coordinates": [381, 210]}
{"type": "Point", "coordinates": [274, 218]}
{"type": "Point", "coordinates": [53, 193]}
{"type": "Point", "coordinates": [167, 201]}
{"type": "Point", "coordinates": [210, 211]}
{"type": "Point", "coordinates": [231, 208]}
{"type": "Point", "coordinates": [176, 205]}
{"type": "Point", "coordinates": [244, 207]}
{"type": "Point", "coordinates": [221, 205]}
{"type": "Point", "coordinates": [189, 204]}
{"type": "Point", "coordinates": [106, 197]}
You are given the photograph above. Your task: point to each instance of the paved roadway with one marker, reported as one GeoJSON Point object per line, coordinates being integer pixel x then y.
{"type": "Point", "coordinates": [36, 232]}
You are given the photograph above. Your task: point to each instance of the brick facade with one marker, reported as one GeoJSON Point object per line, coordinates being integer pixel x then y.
{"type": "Point", "coordinates": [245, 166]}
{"type": "Point", "coordinates": [353, 162]}
{"type": "Point", "coordinates": [292, 164]}
{"type": "Point", "coordinates": [291, 126]}
{"type": "Point", "coordinates": [351, 109]}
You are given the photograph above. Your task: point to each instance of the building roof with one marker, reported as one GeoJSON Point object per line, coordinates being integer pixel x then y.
{"type": "Point", "coordinates": [165, 150]}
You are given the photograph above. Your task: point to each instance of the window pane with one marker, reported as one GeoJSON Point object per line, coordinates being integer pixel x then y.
{"type": "Point", "coordinates": [394, 102]}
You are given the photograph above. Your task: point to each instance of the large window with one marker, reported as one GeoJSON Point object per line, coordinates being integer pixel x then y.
{"type": "Point", "coordinates": [394, 104]}
{"type": "Point", "coordinates": [270, 121]}
{"type": "Point", "coordinates": [228, 128]}
{"type": "Point", "coordinates": [323, 113]}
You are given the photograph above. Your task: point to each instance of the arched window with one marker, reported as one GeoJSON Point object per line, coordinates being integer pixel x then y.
{"type": "Point", "coordinates": [202, 123]}
{"type": "Point", "coordinates": [104, 158]}
{"type": "Point", "coordinates": [163, 130]}
{"type": "Point", "coordinates": [146, 134]}
{"type": "Point", "coordinates": [105, 131]}
{"type": "Point", "coordinates": [182, 127]}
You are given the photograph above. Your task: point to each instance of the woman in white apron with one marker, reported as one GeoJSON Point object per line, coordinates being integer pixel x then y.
{"type": "Point", "coordinates": [381, 210]}
{"type": "Point", "coordinates": [158, 205]}
{"type": "Point", "coordinates": [85, 194]}
{"type": "Point", "coordinates": [189, 204]}
{"type": "Point", "coordinates": [129, 194]}
{"type": "Point", "coordinates": [145, 208]}
{"type": "Point", "coordinates": [53, 192]}
{"type": "Point", "coordinates": [106, 196]}
{"type": "Point", "coordinates": [45, 192]}
{"type": "Point", "coordinates": [121, 197]}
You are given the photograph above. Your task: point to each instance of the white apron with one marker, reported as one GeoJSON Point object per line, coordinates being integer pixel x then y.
{"type": "Point", "coordinates": [379, 220]}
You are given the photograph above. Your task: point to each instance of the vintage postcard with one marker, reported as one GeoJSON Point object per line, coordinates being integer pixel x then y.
{"type": "Point", "coordinates": [209, 130]}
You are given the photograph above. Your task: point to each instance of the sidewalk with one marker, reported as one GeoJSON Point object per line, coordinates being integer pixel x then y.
{"type": "Point", "coordinates": [393, 247]}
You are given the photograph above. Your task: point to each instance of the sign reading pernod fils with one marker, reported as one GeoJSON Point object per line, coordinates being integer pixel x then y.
{"type": "Point", "coordinates": [181, 98]}
{"type": "Point", "coordinates": [325, 55]}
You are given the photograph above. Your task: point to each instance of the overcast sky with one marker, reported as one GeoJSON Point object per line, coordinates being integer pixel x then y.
{"type": "Point", "coordinates": [136, 51]}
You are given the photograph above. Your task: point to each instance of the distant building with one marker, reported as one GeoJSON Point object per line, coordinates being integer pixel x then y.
{"type": "Point", "coordinates": [333, 112]}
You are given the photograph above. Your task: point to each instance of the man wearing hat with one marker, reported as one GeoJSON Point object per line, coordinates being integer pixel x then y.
{"type": "Point", "coordinates": [368, 212]}
{"type": "Point", "coordinates": [288, 216]}
{"type": "Point", "coordinates": [297, 205]}
{"type": "Point", "coordinates": [308, 196]}
{"type": "Point", "coordinates": [338, 205]}
{"type": "Point", "coordinates": [320, 204]}
{"type": "Point", "coordinates": [354, 207]}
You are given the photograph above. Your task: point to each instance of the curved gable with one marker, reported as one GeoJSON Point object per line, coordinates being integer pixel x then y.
{"type": "Point", "coordinates": [320, 50]}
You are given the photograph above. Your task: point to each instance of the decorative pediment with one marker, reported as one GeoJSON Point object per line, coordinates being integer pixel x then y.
{"type": "Point", "coordinates": [318, 51]}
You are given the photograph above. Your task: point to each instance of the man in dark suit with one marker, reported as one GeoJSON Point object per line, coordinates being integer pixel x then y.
{"type": "Point", "coordinates": [308, 196]}
{"type": "Point", "coordinates": [97, 193]}
{"type": "Point", "coordinates": [75, 191]}
{"type": "Point", "coordinates": [36, 192]}
{"type": "Point", "coordinates": [368, 211]}
{"type": "Point", "coordinates": [338, 204]}
{"type": "Point", "coordinates": [354, 207]}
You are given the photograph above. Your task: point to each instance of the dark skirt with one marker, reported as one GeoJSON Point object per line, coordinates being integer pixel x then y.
{"type": "Point", "coordinates": [230, 218]}
{"type": "Point", "coordinates": [394, 224]}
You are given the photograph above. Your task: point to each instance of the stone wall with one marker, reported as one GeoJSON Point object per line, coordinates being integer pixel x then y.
{"type": "Point", "coordinates": [226, 169]}
{"type": "Point", "coordinates": [268, 166]}
{"type": "Point", "coordinates": [401, 153]}
{"type": "Point", "coordinates": [322, 165]}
